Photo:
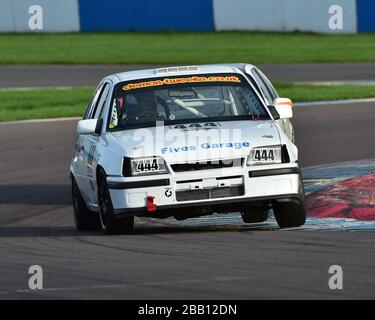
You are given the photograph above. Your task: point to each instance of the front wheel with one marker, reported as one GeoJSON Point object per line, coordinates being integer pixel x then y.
{"type": "Point", "coordinates": [108, 221]}
{"type": "Point", "coordinates": [291, 214]}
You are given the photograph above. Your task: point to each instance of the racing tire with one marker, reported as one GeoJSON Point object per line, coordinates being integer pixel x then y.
{"type": "Point", "coordinates": [254, 214]}
{"type": "Point", "coordinates": [84, 219]}
{"type": "Point", "coordinates": [108, 221]}
{"type": "Point", "coordinates": [291, 214]}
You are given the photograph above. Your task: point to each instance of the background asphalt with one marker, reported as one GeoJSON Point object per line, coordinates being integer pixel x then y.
{"type": "Point", "coordinates": [167, 260]}
{"type": "Point", "coordinates": [90, 75]}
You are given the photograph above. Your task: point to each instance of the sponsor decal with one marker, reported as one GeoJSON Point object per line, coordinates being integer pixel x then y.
{"type": "Point", "coordinates": [90, 165]}
{"type": "Point", "coordinates": [176, 81]}
{"type": "Point", "coordinates": [168, 192]}
{"type": "Point", "coordinates": [207, 146]}
{"type": "Point", "coordinates": [177, 149]}
{"type": "Point", "coordinates": [114, 119]}
{"type": "Point", "coordinates": [235, 145]}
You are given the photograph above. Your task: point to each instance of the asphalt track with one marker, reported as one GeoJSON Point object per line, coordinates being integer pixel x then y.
{"type": "Point", "coordinates": [90, 75]}
{"type": "Point", "coordinates": [209, 258]}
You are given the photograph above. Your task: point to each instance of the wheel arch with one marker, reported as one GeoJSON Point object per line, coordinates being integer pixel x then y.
{"type": "Point", "coordinates": [98, 169]}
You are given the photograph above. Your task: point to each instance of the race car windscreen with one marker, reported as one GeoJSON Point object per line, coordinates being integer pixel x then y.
{"type": "Point", "coordinates": [181, 99]}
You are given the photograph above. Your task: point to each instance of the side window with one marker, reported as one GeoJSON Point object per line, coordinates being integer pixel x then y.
{"type": "Point", "coordinates": [263, 87]}
{"type": "Point", "coordinates": [101, 102]}
{"type": "Point", "coordinates": [268, 84]}
{"type": "Point", "coordinates": [88, 107]}
{"type": "Point", "coordinates": [92, 102]}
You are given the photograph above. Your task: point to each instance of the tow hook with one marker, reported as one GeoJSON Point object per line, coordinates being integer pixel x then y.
{"type": "Point", "coordinates": [151, 206]}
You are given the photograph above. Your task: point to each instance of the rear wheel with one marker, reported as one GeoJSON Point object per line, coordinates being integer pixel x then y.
{"type": "Point", "coordinates": [254, 214]}
{"type": "Point", "coordinates": [84, 219]}
{"type": "Point", "coordinates": [291, 214]}
{"type": "Point", "coordinates": [108, 221]}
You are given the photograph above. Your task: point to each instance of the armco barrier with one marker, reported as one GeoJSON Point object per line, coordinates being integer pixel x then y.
{"type": "Point", "coordinates": [188, 15]}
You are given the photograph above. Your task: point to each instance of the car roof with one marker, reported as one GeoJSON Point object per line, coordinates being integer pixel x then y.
{"type": "Point", "coordinates": [177, 70]}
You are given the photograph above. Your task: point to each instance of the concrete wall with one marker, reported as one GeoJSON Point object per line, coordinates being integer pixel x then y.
{"type": "Point", "coordinates": [58, 15]}
{"type": "Point", "coordinates": [146, 15]}
{"type": "Point", "coordinates": [366, 15]}
{"type": "Point", "coordinates": [313, 15]}
{"type": "Point", "coordinates": [282, 15]}
{"type": "Point", "coordinates": [264, 15]}
{"type": "Point", "coordinates": [188, 15]}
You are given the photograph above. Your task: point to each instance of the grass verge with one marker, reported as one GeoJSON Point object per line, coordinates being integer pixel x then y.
{"type": "Point", "coordinates": [312, 92]}
{"type": "Point", "coordinates": [71, 102]}
{"type": "Point", "coordinates": [184, 48]}
{"type": "Point", "coordinates": [43, 103]}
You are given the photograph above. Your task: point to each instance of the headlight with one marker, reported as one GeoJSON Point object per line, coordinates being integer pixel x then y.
{"type": "Point", "coordinates": [264, 155]}
{"type": "Point", "coordinates": [144, 166]}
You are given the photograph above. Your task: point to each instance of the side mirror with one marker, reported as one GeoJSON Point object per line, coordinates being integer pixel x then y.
{"type": "Point", "coordinates": [284, 107]}
{"type": "Point", "coordinates": [87, 126]}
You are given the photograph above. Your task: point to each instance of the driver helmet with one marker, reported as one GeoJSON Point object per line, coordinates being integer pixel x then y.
{"type": "Point", "coordinates": [143, 105]}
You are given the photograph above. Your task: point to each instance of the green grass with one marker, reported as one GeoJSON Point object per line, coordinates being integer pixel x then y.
{"type": "Point", "coordinates": [184, 48]}
{"type": "Point", "coordinates": [43, 103]}
{"type": "Point", "coordinates": [310, 92]}
{"type": "Point", "coordinates": [55, 103]}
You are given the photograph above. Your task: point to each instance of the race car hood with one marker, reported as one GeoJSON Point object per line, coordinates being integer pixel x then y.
{"type": "Point", "coordinates": [197, 141]}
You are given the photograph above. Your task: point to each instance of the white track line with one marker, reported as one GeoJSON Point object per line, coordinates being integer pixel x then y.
{"type": "Point", "coordinates": [35, 88]}
{"type": "Point", "coordinates": [338, 83]}
{"type": "Point", "coordinates": [41, 120]}
{"type": "Point", "coordinates": [336, 102]}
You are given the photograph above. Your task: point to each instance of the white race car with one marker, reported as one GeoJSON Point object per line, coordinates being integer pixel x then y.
{"type": "Point", "coordinates": [185, 142]}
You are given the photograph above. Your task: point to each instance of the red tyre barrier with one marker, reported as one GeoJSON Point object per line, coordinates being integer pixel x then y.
{"type": "Point", "coordinates": [353, 198]}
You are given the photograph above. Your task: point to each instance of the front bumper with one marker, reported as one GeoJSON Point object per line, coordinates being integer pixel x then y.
{"type": "Point", "coordinates": [207, 188]}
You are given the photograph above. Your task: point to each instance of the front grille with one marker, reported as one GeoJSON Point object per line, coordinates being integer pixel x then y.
{"type": "Point", "coordinates": [215, 193]}
{"type": "Point", "coordinates": [207, 165]}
